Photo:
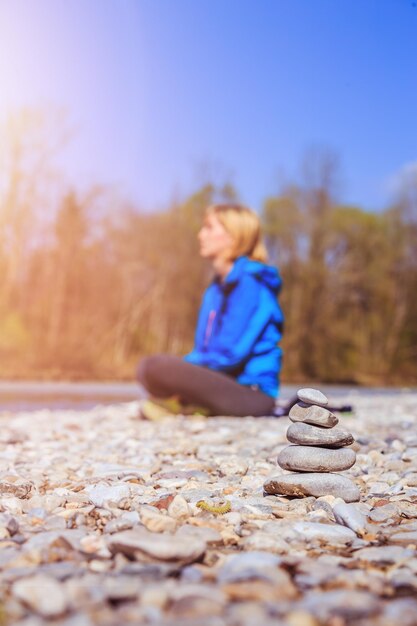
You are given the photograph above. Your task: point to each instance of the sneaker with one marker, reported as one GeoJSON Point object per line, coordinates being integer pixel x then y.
{"type": "Point", "coordinates": [156, 409]}
{"type": "Point", "coordinates": [345, 408]}
{"type": "Point", "coordinates": [192, 410]}
{"type": "Point", "coordinates": [280, 411]}
{"type": "Point", "coordinates": [153, 411]}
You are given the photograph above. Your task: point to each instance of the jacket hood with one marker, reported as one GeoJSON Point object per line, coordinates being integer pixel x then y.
{"type": "Point", "coordinates": [266, 274]}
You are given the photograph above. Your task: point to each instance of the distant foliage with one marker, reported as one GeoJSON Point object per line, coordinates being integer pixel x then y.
{"type": "Point", "coordinates": [86, 292]}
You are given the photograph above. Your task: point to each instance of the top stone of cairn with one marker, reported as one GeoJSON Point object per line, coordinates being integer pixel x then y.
{"type": "Point", "coordinates": [312, 396]}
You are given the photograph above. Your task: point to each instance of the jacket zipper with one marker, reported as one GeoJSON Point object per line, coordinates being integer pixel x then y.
{"type": "Point", "coordinates": [209, 327]}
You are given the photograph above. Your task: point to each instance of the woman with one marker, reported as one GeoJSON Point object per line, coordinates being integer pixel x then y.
{"type": "Point", "coordinates": [234, 366]}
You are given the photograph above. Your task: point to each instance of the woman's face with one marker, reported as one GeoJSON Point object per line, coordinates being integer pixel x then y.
{"type": "Point", "coordinates": [213, 238]}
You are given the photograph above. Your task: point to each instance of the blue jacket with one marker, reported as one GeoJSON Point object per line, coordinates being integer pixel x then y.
{"type": "Point", "coordinates": [240, 324]}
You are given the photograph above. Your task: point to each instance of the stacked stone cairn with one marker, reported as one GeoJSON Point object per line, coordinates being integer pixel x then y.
{"type": "Point", "coordinates": [318, 450]}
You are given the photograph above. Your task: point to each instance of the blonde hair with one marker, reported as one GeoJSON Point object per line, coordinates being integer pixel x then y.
{"type": "Point", "coordinates": [245, 228]}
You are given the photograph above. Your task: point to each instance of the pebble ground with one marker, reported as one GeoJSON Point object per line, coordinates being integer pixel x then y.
{"type": "Point", "coordinates": [107, 519]}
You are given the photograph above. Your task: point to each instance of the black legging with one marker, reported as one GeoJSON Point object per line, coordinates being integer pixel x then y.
{"type": "Point", "coordinates": [164, 375]}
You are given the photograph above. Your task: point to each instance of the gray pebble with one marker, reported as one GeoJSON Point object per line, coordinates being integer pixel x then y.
{"type": "Point", "coordinates": [9, 522]}
{"type": "Point", "coordinates": [311, 459]}
{"type": "Point", "coordinates": [324, 533]}
{"type": "Point", "coordinates": [388, 512]}
{"type": "Point", "coordinates": [101, 493]}
{"type": "Point", "coordinates": [42, 594]}
{"type": "Point", "coordinates": [349, 515]}
{"type": "Point", "coordinates": [313, 485]}
{"type": "Point", "coordinates": [404, 538]}
{"type": "Point", "coordinates": [307, 435]}
{"type": "Point", "coordinates": [402, 611]}
{"type": "Point", "coordinates": [384, 555]}
{"type": "Point", "coordinates": [145, 546]}
{"type": "Point", "coordinates": [316, 415]}
{"type": "Point", "coordinates": [247, 566]}
{"type": "Point", "coordinates": [343, 603]}
{"type": "Point", "coordinates": [407, 509]}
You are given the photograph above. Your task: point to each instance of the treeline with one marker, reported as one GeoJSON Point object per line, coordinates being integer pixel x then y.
{"type": "Point", "coordinates": [91, 284]}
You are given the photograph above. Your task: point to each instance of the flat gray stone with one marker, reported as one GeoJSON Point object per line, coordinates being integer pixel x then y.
{"type": "Point", "coordinates": [348, 604]}
{"type": "Point", "coordinates": [309, 414]}
{"type": "Point", "coordinates": [387, 513]}
{"type": "Point", "coordinates": [247, 566]}
{"type": "Point", "coordinates": [147, 546]}
{"type": "Point", "coordinates": [324, 533]}
{"type": "Point", "coordinates": [404, 538]}
{"type": "Point", "coordinates": [384, 555]}
{"type": "Point", "coordinates": [311, 459]}
{"type": "Point", "coordinates": [9, 522]}
{"type": "Point", "coordinates": [101, 494]}
{"type": "Point", "coordinates": [400, 611]}
{"type": "Point", "coordinates": [349, 515]}
{"type": "Point", "coordinates": [42, 594]}
{"type": "Point", "coordinates": [312, 396]}
{"type": "Point", "coordinates": [307, 435]}
{"type": "Point", "coordinates": [313, 485]}
{"type": "Point", "coordinates": [407, 509]}
{"type": "Point", "coordinates": [125, 522]}
{"type": "Point", "coordinates": [210, 536]}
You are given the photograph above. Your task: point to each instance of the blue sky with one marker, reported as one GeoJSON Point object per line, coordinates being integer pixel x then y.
{"type": "Point", "coordinates": [160, 92]}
